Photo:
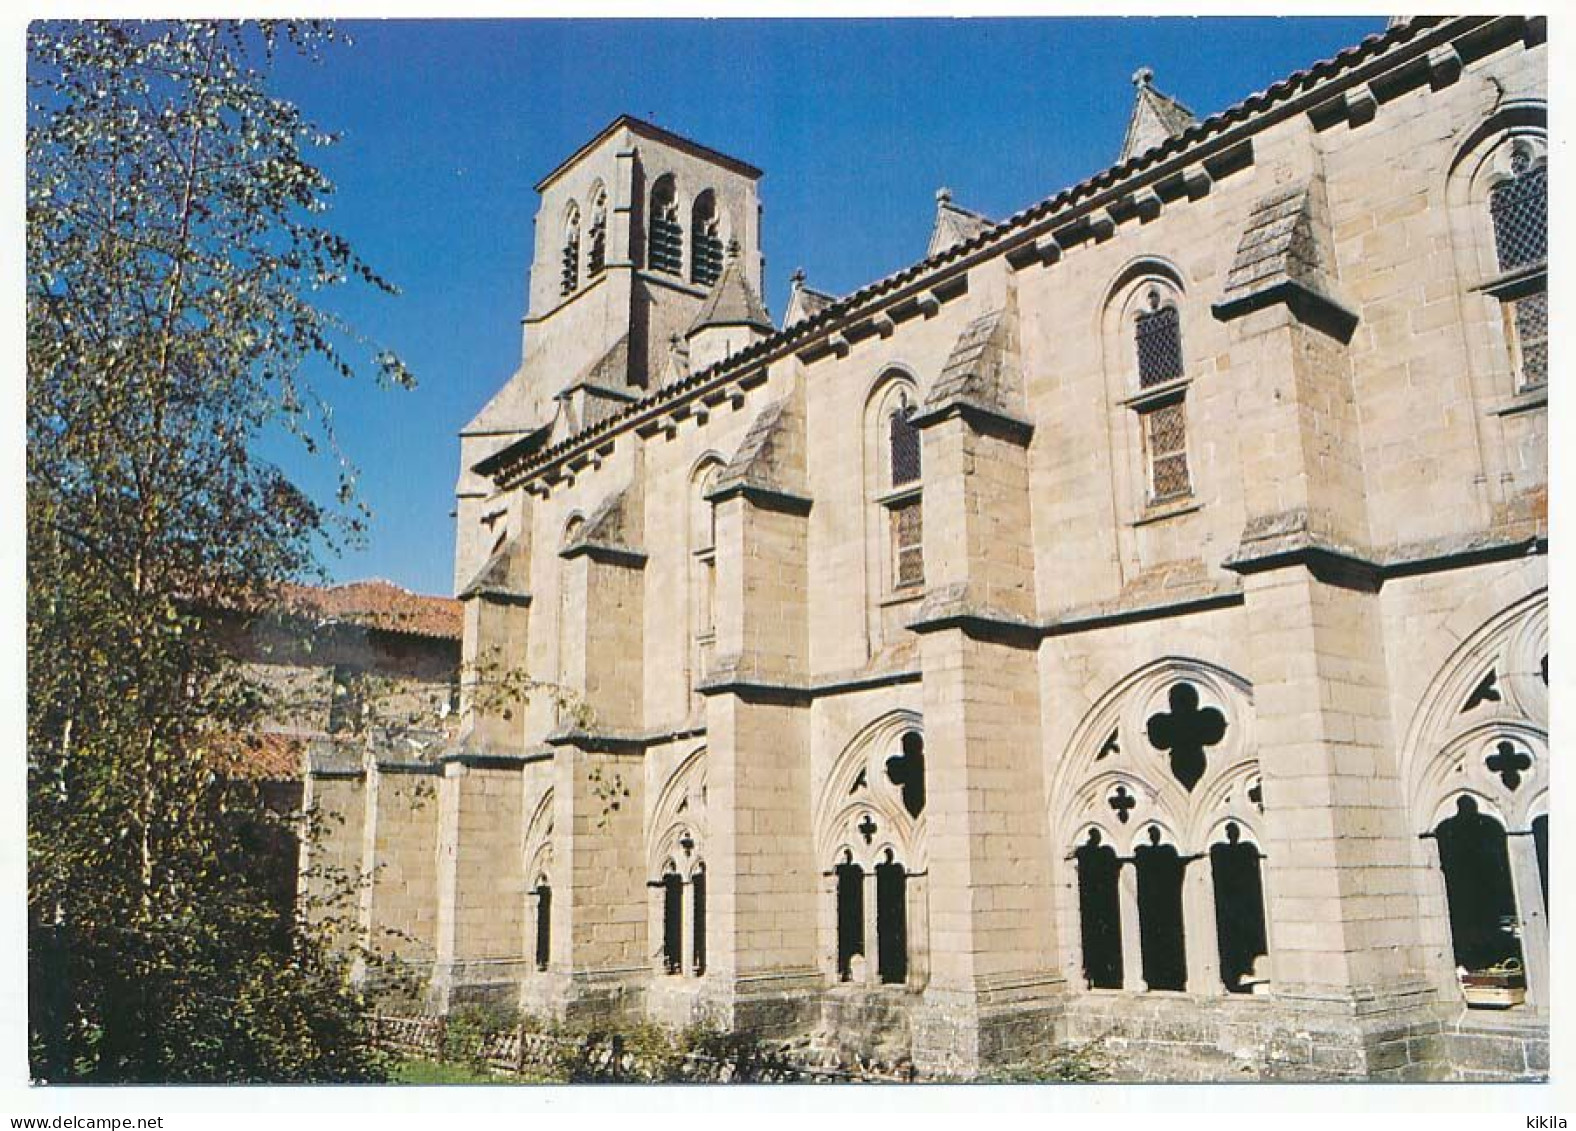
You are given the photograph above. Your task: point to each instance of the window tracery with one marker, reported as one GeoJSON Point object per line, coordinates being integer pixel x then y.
{"type": "Point", "coordinates": [676, 854]}
{"type": "Point", "coordinates": [1477, 766]}
{"type": "Point", "coordinates": [870, 834]}
{"type": "Point", "coordinates": [1163, 800]}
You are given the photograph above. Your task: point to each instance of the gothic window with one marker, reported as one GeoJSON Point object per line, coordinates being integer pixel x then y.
{"type": "Point", "coordinates": [1158, 395]}
{"type": "Point", "coordinates": [1169, 747]}
{"type": "Point", "coordinates": [891, 922]}
{"type": "Point", "coordinates": [897, 487]}
{"type": "Point", "coordinates": [1499, 194]}
{"type": "Point", "coordinates": [569, 277]}
{"type": "Point", "coordinates": [1484, 924]}
{"type": "Point", "coordinates": [705, 240]}
{"type": "Point", "coordinates": [673, 922]}
{"type": "Point", "coordinates": [665, 250]}
{"type": "Point", "coordinates": [1478, 782]}
{"type": "Point", "coordinates": [1165, 451]}
{"type": "Point", "coordinates": [908, 544]}
{"type": "Point", "coordinates": [596, 235]}
{"type": "Point", "coordinates": [904, 440]}
{"type": "Point", "coordinates": [1519, 209]}
{"type": "Point", "coordinates": [850, 917]}
{"type": "Point", "coordinates": [698, 918]}
{"type": "Point", "coordinates": [544, 922]}
{"type": "Point", "coordinates": [703, 569]}
{"type": "Point", "coordinates": [1239, 908]}
{"type": "Point", "coordinates": [1099, 912]}
{"type": "Point", "coordinates": [1160, 871]}
{"type": "Point", "coordinates": [1157, 333]}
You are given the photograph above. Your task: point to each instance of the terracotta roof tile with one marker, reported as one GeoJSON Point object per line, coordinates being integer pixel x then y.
{"type": "Point", "coordinates": [258, 757]}
{"type": "Point", "coordinates": [378, 604]}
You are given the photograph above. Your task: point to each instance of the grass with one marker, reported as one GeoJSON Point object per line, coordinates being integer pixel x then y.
{"type": "Point", "coordinates": [414, 1070]}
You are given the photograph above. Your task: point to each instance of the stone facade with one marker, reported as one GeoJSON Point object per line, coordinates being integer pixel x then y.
{"type": "Point", "coordinates": [1129, 621]}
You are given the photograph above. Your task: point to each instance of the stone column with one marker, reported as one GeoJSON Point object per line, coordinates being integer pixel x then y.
{"type": "Point", "coordinates": [762, 876]}
{"type": "Point", "coordinates": [1336, 840]}
{"type": "Point", "coordinates": [399, 903]}
{"type": "Point", "coordinates": [1132, 940]}
{"type": "Point", "coordinates": [1199, 930]}
{"type": "Point", "coordinates": [687, 930]}
{"type": "Point", "coordinates": [600, 901]}
{"type": "Point", "coordinates": [482, 900]}
{"type": "Point", "coordinates": [994, 984]}
{"type": "Point", "coordinates": [872, 928]}
{"type": "Point", "coordinates": [1534, 917]}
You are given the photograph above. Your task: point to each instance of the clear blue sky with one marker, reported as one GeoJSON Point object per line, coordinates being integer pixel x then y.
{"type": "Point", "coordinates": [448, 124]}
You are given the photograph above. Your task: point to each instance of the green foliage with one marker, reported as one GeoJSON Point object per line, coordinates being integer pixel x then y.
{"type": "Point", "coordinates": [174, 268]}
{"type": "Point", "coordinates": [468, 1029]}
{"type": "Point", "coordinates": [1086, 1063]}
{"type": "Point", "coordinates": [418, 1071]}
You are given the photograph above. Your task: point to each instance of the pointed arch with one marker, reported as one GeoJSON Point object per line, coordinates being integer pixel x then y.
{"type": "Point", "coordinates": [596, 231]}
{"type": "Point", "coordinates": [707, 239]}
{"type": "Point", "coordinates": [1090, 768]}
{"type": "Point", "coordinates": [858, 786]}
{"type": "Point", "coordinates": [678, 819]}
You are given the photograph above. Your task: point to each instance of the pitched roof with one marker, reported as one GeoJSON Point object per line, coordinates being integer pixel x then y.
{"type": "Point", "coordinates": [804, 301]}
{"type": "Point", "coordinates": [519, 459]}
{"type": "Point", "coordinates": [732, 301]}
{"type": "Point", "coordinates": [954, 224]}
{"type": "Point", "coordinates": [377, 604]}
{"type": "Point", "coordinates": [1156, 117]}
{"type": "Point", "coordinates": [654, 133]}
{"type": "Point", "coordinates": [264, 756]}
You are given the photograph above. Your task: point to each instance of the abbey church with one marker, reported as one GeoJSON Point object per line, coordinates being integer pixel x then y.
{"type": "Point", "coordinates": [1129, 621]}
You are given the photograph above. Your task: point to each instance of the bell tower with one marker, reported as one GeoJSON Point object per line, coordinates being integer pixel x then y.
{"type": "Point", "coordinates": [632, 236]}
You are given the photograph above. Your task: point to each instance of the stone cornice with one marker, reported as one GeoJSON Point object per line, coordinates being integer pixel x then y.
{"type": "Point", "coordinates": [1111, 614]}
{"type": "Point", "coordinates": [497, 595]}
{"type": "Point", "coordinates": [953, 607]}
{"type": "Point", "coordinates": [988, 420]}
{"type": "Point", "coordinates": [762, 496]}
{"type": "Point", "coordinates": [1280, 541]}
{"type": "Point", "coordinates": [1308, 305]}
{"type": "Point", "coordinates": [605, 554]}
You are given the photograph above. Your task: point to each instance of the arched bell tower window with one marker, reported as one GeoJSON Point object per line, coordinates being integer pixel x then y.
{"type": "Point", "coordinates": [705, 240]}
{"type": "Point", "coordinates": [569, 277]}
{"type": "Point", "coordinates": [596, 234]}
{"type": "Point", "coordinates": [665, 251]}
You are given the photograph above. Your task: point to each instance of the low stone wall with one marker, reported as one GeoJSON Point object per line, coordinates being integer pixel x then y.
{"type": "Point", "coordinates": [605, 1057]}
{"type": "Point", "coordinates": [1250, 1039]}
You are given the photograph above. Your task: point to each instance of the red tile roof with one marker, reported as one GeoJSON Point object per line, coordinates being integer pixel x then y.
{"type": "Point", "coordinates": [378, 604]}
{"type": "Point", "coordinates": [258, 757]}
